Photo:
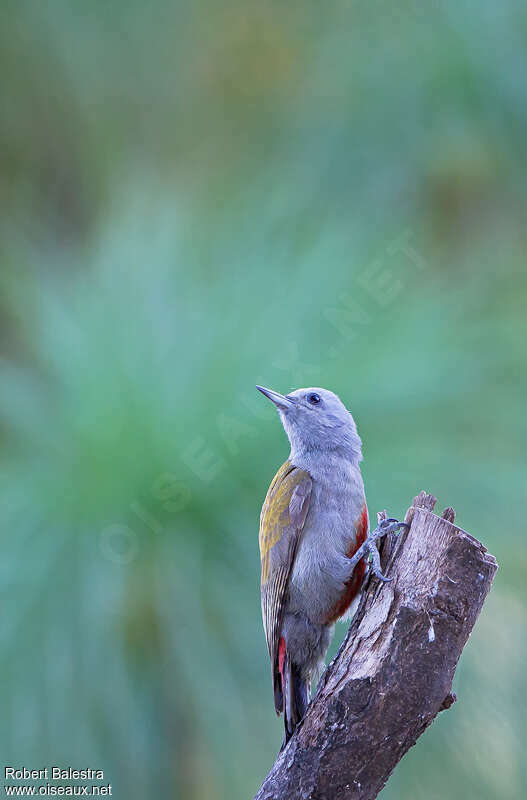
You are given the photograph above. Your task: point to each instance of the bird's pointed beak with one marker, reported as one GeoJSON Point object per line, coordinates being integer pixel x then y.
{"type": "Point", "coordinates": [280, 400]}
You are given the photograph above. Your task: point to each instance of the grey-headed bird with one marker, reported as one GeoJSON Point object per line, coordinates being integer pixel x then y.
{"type": "Point", "coordinates": [313, 533]}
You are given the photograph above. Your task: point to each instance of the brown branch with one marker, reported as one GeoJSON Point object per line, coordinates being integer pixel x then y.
{"type": "Point", "coordinates": [394, 671]}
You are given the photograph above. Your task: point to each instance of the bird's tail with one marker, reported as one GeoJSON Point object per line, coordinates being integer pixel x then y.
{"type": "Point", "coordinates": [295, 692]}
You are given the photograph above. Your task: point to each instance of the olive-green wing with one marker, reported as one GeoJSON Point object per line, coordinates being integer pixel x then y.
{"type": "Point", "coordinates": [281, 521]}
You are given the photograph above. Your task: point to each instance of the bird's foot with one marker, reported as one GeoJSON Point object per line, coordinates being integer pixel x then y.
{"type": "Point", "coordinates": [369, 547]}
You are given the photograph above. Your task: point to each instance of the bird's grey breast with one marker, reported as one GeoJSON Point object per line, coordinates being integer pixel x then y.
{"type": "Point", "coordinates": [321, 566]}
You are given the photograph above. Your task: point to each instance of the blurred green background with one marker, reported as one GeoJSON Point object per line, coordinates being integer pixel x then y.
{"type": "Point", "coordinates": [198, 197]}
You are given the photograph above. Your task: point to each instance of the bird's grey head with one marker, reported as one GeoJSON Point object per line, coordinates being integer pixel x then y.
{"type": "Point", "coordinates": [317, 420]}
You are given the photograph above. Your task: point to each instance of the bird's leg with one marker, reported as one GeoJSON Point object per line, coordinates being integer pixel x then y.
{"type": "Point", "coordinates": [369, 547]}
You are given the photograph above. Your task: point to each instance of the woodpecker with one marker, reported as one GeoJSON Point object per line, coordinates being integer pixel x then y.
{"type": "Point", "coordinates": [313, 535]}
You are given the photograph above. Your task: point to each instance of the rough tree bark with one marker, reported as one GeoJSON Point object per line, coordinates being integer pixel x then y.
{"type": "Point", "coordinates": [394, 671]}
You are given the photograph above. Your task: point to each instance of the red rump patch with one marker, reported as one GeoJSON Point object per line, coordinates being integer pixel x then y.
{"type": "Point", "coordinates": [362, 532]}
{"type": "Point", "coordinates": [281, 657]}
{"type": "Point", "coordinates": [354, 583]}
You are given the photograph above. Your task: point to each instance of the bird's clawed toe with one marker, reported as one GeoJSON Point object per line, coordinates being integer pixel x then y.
{"type": "Point", "coordinates": [386, 526]}
{"type": "Point", "coordinates": [391, 525]}
{"type": "Point", "coordinates": [369, 548]}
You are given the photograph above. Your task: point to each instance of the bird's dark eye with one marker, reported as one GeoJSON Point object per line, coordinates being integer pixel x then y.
{"type": "Point", "coordinates": [313, 398]}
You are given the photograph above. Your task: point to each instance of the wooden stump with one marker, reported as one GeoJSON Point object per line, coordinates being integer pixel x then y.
{"type": "Point", "coordinates": [394, 671]}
